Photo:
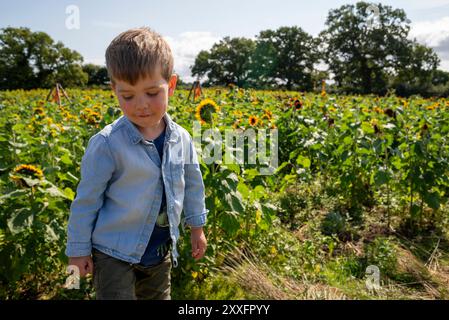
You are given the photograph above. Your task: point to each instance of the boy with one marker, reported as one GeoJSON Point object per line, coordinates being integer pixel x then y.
{"type": "Point", "coordinates": [137, 175]}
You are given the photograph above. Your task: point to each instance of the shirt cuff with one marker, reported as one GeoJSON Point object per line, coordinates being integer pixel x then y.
{"type": "Point", "coordinates": [78, 249]}
{"type": "Point", "coordinates": [198, 220]}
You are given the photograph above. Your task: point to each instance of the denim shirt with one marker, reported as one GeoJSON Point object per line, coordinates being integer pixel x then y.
{"type": "Point", "coordinates": [120, 191]}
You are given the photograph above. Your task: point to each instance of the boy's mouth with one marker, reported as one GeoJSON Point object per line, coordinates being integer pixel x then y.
{"type": "Point", "coordinates": [144, 115]}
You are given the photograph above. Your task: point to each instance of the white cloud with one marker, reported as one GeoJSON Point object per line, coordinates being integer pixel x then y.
{"type": "Point", "coordinates": [185, 48]}
{"type": "Point", "coordinates": [434, 34]}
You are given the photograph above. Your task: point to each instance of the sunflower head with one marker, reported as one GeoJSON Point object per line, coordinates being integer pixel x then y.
{"type": "Point", "coordinates": [236, 124]}
{"type": "Point", "coordinates": [378, 110]}
{"type": "Point", "coordinates": [23, 172]}
{"type": "Point", "coordinates": [268, 114]}
{"type": "Point", "coordinates": [390, 112]}
{"type": "Point", "coordinates": [38, 111]}
{"type": "Point", "coordinates": [298, 104]}
{"type": "Point", "coordinates": [29, 171]}
{"type": "Point", "coordinates": [425, 127]}
{"type": "Point", "coordinates": [205, 111]}
{"type": "Point", "coordinates": [91, 116]}
{"type": "Point", "coordinates": [253, 120]}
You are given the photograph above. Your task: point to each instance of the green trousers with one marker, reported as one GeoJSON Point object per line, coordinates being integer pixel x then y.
{"type": "Point", "coordinates": [115, 279]}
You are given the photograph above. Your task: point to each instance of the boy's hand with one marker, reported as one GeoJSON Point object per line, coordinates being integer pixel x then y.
{"type": "Point", "coordinates": [84, 264]}
{"type": "Point", "coordinates": [199, 242]}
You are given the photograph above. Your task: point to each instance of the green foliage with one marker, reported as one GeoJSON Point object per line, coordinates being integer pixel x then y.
{"type": "Point", "coordinates": [350, 156]}
{"type": "Point", "coordinates": [292, 204]}
{"type": "Point", "coordinates": [382, 253]}
{"type": "Point", "coordinates": [365, 59]}
{"type": "Point", "coordinates": [32, 60]}
{"type": "Point", "coordinates": [333, 224]}
{"type": "Point", "coordinates": [227, 62]}
{"type": "Point", "coordinates": [97, 75]}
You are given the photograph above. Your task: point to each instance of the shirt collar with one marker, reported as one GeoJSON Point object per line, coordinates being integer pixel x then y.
{"type": "Point", "coordinates": [171, 131]}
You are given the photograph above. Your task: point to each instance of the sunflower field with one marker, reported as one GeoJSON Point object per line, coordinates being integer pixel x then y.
{"type": "Point", "coordinates": [360, 181]}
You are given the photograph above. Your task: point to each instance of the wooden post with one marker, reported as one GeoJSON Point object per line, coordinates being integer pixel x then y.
{"type": "Point", "coordinates": [196, 89]}
{"type": "Point", "coordinates": [57, 94]}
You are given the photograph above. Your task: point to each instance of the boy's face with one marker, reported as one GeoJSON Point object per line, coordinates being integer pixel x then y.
{"type": "Point", "coordinates": [145, 103]}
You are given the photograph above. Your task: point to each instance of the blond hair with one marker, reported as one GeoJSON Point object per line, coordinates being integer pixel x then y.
{"type": "Point", "coordinates": [137, 53]}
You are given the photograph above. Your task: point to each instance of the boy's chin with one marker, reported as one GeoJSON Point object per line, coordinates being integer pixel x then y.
{"type": "Point", "coordinates": [147, 121]}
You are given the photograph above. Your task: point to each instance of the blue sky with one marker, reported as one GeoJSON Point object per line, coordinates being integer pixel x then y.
{"type": "Point", "coordinates": [191, 26]}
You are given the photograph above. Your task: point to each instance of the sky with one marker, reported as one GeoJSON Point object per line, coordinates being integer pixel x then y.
{"type": "Point", "coordinates": [191, 26]}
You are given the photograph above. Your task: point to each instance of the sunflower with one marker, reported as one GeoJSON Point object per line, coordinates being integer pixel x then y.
{"type": "Point", "coordinates": [390, 112]}
{"type": "Point", "coordinates": [298, 104]}
{"type": "Point", "coordinates": [29, 170]}
{"type": "Point", "coordinates": [253, 120]}
{"type": "Point", "coordinates": [378, 110]}
{"type": "Point", "coordinates": [39, 111]}
{"type": "Point", "coordinates": [205, 110]}
{"type": "Point", "coordinates": [25, 171]}
{"type": "Point", "coordinates": [375, 125]}
{"type": "Point", "coordinates": [236, 124]}
{"type": "Point", "coordinates": [238, 113]}
{"type": "Point", "coordinates": [425, 127]}
{"type": "Point", "coordinates": [91, 116]}
{"type": "Point", "coordinates": [268, 114]}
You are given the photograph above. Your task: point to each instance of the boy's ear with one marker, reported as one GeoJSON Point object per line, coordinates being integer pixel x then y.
{"type": "Point", "coordinates": [113, 86]}
{"type": "Point", "coordinates": [172, 84]}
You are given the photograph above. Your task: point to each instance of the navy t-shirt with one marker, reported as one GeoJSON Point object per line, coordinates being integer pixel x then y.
{"type": "Point", "coordinates": [160, 240]}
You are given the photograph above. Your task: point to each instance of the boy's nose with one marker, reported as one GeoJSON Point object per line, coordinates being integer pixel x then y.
{"type": "Point", "coordinates": [142, 104]}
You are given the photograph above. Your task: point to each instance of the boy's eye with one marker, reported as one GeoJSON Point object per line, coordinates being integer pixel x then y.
{"type": "Point", "coordinates": [152, 94]}
{"type": "Point", "coordinates": [127, 98]}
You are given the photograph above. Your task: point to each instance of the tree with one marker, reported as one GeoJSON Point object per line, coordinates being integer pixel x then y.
{"type": "Point", "coordinates": [97, 75]}
{"type": "Point", "coordinates": [285, 56]}
{"type": "Point", "coordinates": [227, 62]}
{"type": "Point", "coordinates": [440, 77]}
{"type": "Point", "coordinates": [364, 58]}
{"type": "Point", "coordinates": [417, 69]}
{"type": "Point", "coordinates": [32, 59]}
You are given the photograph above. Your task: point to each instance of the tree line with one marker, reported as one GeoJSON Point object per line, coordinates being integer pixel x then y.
{"type": "Point", "coordinates": [31, 60]}
{"type": "Point", "coordinates": [359, 55]}
{"type": "Point", "coordinates": [355, 53]}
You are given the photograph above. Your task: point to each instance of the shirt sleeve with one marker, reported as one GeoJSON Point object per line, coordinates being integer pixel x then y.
{"type": "Point", "coordinates": [195, 211]}
{"type": "Point", "coordinates": [97, 167]}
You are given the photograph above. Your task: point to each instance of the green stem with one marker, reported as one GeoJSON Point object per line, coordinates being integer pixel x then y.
{"type": "Point", "coordinates": [212, 209]}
